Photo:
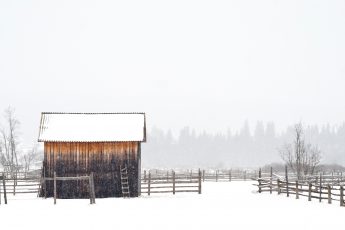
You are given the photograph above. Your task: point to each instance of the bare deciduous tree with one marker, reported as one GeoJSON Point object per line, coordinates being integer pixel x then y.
{"type": "Point", "coordinates": [9, 142]}
{"type": "Point", "coordinates": [29, 158]}
{"type": "Point", "coordinates": [301, 157]}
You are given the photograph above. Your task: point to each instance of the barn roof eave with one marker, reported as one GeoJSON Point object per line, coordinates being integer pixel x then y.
{"type": "Point", "coordinates": [67, 141]}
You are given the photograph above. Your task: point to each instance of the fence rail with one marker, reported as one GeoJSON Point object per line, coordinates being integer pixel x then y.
{"type": "Point", "coordinates": [321, 187]}
{"type": "Point", "coordinates": [55, 178]}
{"type": "Point", "coordinates": [19, 183]}
{"type": "Point", "coordinates": [206, 175]}
{"type": "Point", "coordinates": [171, 183]}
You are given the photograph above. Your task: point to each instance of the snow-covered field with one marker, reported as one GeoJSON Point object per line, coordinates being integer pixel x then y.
{"type": "Point", "coordinates": [234, 205]}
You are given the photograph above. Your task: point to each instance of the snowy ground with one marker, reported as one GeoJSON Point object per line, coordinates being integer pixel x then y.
{"type": "Point", "coordinates": [222, 205]}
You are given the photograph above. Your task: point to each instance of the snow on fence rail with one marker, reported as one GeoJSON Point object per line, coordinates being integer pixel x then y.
{"type": "Point", "coordinates": [206, 175]}
{"type": "Point", "coordinates": [171, 183]}
{"type": "Point", "coordinates": [18, 184]}
{"type": "Point", "coordinates": [321, 187]}
{"type": "Point", "coordinates": [228, 175]}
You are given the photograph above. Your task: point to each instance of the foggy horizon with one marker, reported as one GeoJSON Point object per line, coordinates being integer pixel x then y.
{"type": "Point", "coordinates": [209, 65]}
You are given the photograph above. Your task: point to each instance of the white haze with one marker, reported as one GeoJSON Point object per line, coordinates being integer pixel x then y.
{"type": "Point", "coordinates": [210, 65]}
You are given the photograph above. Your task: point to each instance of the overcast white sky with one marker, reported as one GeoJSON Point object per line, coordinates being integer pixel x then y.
{"type": "Point", "coordinates": [210, 64]}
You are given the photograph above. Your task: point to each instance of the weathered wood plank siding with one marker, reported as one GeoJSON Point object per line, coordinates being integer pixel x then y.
{"type": "Point", "coordinates": [102, 158]}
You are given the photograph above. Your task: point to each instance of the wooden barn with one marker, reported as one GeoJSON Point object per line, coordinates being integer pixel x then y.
{"type": "Point", "coordinates": [78, 144]}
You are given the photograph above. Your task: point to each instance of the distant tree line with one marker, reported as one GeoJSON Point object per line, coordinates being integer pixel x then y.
{"type": "Point", "coordinates": [239, 149]}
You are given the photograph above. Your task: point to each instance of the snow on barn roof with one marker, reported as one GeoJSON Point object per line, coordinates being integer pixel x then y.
{"type": "Point", "coordinates": [92, 127]}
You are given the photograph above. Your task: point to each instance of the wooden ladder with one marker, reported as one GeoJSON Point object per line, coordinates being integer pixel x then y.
{"type": "Point", "coordinates": [124, 182]}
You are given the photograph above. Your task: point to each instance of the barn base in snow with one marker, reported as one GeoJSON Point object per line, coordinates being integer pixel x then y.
{"type": "Point", "coordinates": [103, 159]}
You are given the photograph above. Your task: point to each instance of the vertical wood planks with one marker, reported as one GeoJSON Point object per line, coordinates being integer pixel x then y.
{"type": "Point", "coordinates": [82, 158]}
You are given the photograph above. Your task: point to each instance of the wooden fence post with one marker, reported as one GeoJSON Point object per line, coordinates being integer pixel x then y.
{"type": "Point", "coordinates": [145, 176]}
{"type": "Point", "coordinates": [199, 181]}
{"type": "Point", "coordinates": [332, 178]}
{"type": "Point", "coordinates": [44, 183]}
{"type": "Point", "coordinates": [230, 175]}
{"type": "Point", "coordinates": [4, 184]}
{"type": "Point", "coordinates": [320, 191]}
{"type": "Point", "coordinates": [297, 191]}
{"type": "Point", "coordinates": [90, 189]}
{"type": "Point", "coordinates": [216, 175]}
{"type": "Point", "coordinates": [203, 175]}
{"type": "Point", "coordinates": [309, 192]}
{"type": "Point", "coordinates": [271, 178]}
{"type": "Point", "coordinates": [45, 187]}
{"type": "Point", "coordinates": [287, 181]}
{"type": "Point", "coordinates": [278, 183]}
{"type": "Point", "coordinates": [54, 187]}
{"type": "Point", "coordinates": [341, 196]}
{"type": "Point", "coordinates": [14, 183]}
{"type": "Point", "coordinates": [316, 182]}
{"type": "Point", "coordinates": [341, 176]}
{"type": "Point", "coordinates": [173, 174]}
{"type": "Point", "coordinates": [149, 184]}
{"type": "Point", "coordinates": [329, 194]}
{"type": "Point", "coordinates": [93, 188]}
{"type": "Point", "coordinates": [260, 180]}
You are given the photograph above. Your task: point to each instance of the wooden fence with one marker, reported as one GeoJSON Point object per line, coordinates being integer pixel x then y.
{"type": "Point", "coordinates": [228, 175]}
{"type": "Point", "coordinates": [206, 175]}
{"type": "Point", "coordinates": [55, 178]}
{"type": "Point", "coordinates": [18, 184]}
{"type": "Point", "coordinates": [171, 183]}
{"type": "Point", "coordinates": [3, 180]}
{"type": "Point", "coordinates": [321, 187]}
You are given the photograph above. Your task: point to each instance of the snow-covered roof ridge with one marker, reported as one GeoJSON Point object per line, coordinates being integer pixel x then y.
{"type": "Point", "coordinates": [93, 113]}
{"type": "Point", "coordinates": [92, 127]}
